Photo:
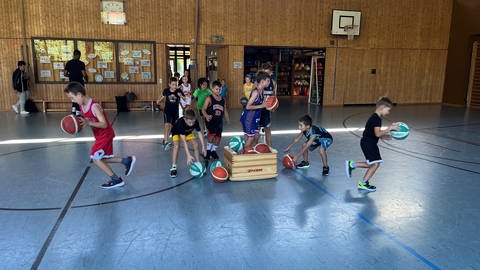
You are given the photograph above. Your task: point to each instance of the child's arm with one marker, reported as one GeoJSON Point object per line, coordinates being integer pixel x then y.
{"type": "Point", "coordinates": [304, 148]}
{"type": "Point", "coordinates": [295, 141]}
{"type": "Point", "coordinates": [204, 109]}
{"type": "Point", "coordinates": [202, 143]}
{"type": "Point", "coordinates": [386, 132]}
{"type": "Point", "coordinates": [190, 158]}
{"type": "Point", "coordinates": [250, 105]}
{"type": "Point", "coordinates": [227, 116]}
{"type": "Point", "coordinates": [160, 99]}
{"type": "Point", "coordinates": [98, 111]}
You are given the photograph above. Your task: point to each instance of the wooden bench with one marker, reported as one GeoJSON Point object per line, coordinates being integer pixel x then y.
{"type": "Point", "coordinates": [107, 105]}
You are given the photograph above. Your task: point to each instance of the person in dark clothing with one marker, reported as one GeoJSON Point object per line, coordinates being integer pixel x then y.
{"type": "Point", "coordinates": [20, 84]}
{"type": "Point", "coordinates": [75, 71]}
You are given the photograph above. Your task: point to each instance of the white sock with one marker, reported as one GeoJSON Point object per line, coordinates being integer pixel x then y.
{"type": "Point", "coordinates": [209, 146]}
{"type": "Point", "coordinates": [214, 147]}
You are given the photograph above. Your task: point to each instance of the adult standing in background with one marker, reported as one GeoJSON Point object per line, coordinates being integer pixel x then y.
{"type": "Point", "coordinates": [20, 84]}
{"type": "Point", "coordinates": [75, 71]}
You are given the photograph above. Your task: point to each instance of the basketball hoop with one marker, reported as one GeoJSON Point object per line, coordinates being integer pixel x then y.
{"type": "Point", "coordinates": [351, 30]}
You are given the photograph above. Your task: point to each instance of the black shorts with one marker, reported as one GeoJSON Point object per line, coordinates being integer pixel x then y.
{"type": "Point", "coordinates": [264, 118]}
{"type": "Point", "coordinates": [371, 152]}
{"type": "Point", "coordinates": [214, 127]}
{"type": "Point", "coordinates": [170, 117]}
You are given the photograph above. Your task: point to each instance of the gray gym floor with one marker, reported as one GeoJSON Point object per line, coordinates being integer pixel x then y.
{"type": "Point", "coordinates": [424, 215]}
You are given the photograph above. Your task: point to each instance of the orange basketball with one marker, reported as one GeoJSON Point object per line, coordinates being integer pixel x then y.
{"type": "Point", "coordinates": [272, 103]}
{"type": "Point", "coordinates": [249, 150]}
{"type": "Point", "coordinates": [287, 162]}
{"type": "Point", "coordinates": [262, 148]}
{"type": "Point", "coordinates": [71, 124]}
{"type": "Point", "coordinates": [220, 174]}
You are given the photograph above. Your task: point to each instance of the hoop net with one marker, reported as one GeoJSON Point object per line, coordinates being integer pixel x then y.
{"type": "Point", "coordinates": [350, 30]}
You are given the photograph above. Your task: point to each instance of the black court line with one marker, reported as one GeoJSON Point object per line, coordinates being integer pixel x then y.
{"type": "Point", "coordinates": [409, 153]}
{"type": "Point", "coordinates": [441, 146]}
{"type": "Point", "coordinates": [60, 218]}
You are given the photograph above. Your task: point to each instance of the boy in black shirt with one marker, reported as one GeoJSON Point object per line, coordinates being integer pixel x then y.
{"type": "Point", "coordinates": [182, 133]}
{"type": "Point", "coordinates": [369, 142]}
{"type": "Point", "coordinates": [172, 97]}
{"type": "Point", "coordinates": [214, 109]}
{"type": "Point", "coordinates": [316, 137]}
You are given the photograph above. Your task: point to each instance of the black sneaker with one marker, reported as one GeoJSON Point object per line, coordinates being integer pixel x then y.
{"type": "Point", "coordinates": [213, 154]}
{"type": "Point", "coordinates": [173, 172]}
{"type": "Point", "coordinates": [113, 183]}
{"type": "Point", "coordinates": [325, 171]}
{"type": "Point", "coordinates": [130, 164]}
{"type": "Point", "coordinates": [209, 154]}
{"type": "Point", "coordinates": [349, 167]}
{"type": "Point", "coordinates": [167, 146]}
{"type": "Point", "coordinates": [303, 165]}
{"type": "Point", "coordinates": [366, 186]}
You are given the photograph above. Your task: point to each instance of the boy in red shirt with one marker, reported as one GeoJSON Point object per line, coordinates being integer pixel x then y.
{"type": "Point", "coordinates": [102, 150]}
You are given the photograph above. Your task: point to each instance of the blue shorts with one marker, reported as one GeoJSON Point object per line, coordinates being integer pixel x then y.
{"type": "Point", "coordinates": [323, 142]}
{"type": "Point", "coordinates": [250, 122]}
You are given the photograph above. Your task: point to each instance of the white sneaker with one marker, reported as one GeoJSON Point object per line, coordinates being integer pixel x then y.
{"type": "Point", "coordinates": [14, 108]}
{"type": "Point", "coordinates": [24, 112]}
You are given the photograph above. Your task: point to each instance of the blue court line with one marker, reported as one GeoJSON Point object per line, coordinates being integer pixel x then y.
{"type": "Point", "coordinates": [373, 224]}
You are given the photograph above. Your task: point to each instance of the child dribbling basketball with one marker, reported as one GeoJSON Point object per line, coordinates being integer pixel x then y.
{"type": "Point", "coordinates": [102, 150]}
{"type": "Point", "coordinates": [214, 109]}
{"type": "Point", "coordinates": [316, 137]}
{"type": "Point", "coordinates": [182, 134]}
{"type": "Point", "coordinates": [368, 143]}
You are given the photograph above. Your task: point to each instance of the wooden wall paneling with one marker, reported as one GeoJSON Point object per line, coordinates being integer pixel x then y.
{"type": "Point", "coordinates": [332, 95]}
{"type": "Point", "coordinates": [411, 76]}
{"type": "Point", "coordinates": [163, 21]}
{"type": "Point", "coordinates": [12, 48]}
{"type": "Point", "coordinates": [473, 99]}
{"type": "Point", "coordinates": [235, 77]}
{"type": "Point", "coordinates": [353, 75]}
{"type": "Point", "coordinates": [9, 21]}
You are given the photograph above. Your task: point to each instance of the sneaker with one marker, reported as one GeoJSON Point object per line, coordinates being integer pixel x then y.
{"type": "Point", "coordinates": [15, 109]}
{"type": "Point", "coordinates": [24, 112]}
{"type": "Point", "coordinates": [214, 155]}
{"type": "Point", "coordinates": [209, 154]}
{"type": "Point", "coordinates": [325, 171]}
{"type": "Point", "coordinates": [303, 165]}
{"type": "Point", "coordinates": [349, 168]}
{"type": "Point", "coordinates": [366, 186]}
{"type": "Point", "coordinates": [167, 146]}
{"type": "Point", "coordinates": [173, 172]}
{"type": "Point", "coordinates": [130, 164]}
{"type": "Point", "coordinates": [113, 183]}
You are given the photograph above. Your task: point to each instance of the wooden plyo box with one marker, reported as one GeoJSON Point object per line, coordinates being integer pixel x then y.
{"type": "Point", "coordinates": [250, 166]}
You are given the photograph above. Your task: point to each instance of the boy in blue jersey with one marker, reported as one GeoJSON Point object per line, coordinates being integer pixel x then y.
{"type": "Point", "coordinates": [251, 114]}
{"type": "Point", "coordinates": [316, 138]}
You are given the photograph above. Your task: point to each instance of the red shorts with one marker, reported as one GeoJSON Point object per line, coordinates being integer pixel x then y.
{"type": "Point", "coordinates": [102, 148]}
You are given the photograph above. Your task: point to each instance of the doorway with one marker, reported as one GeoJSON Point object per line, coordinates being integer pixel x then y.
{"type": "Point", "coordinates": [298, 72]}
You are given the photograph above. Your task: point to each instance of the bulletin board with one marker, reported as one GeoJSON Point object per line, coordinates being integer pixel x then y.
{"type": "Point", "coordinates": [100, 61]}
{"type": "Point", "coordinates": [137, 62]}
{"type": "Point", "coordinates": [50, 57]}
{"type": "Point", "coordinates": [106, 61]}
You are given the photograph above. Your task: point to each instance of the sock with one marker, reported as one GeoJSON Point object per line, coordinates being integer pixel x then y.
{"type": "Point", "coordinates": [214, 147]}
{"type": "Point", "coordinates": [174, 165]}
{"type": "Point", "coordinates": [352, 165]}
{"type": "Point", "coordinates": [115, 177]}
{"type": "Point", "coordinates": [209, 146]}
{"type": "Point", "coordinates": [364, 181]}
